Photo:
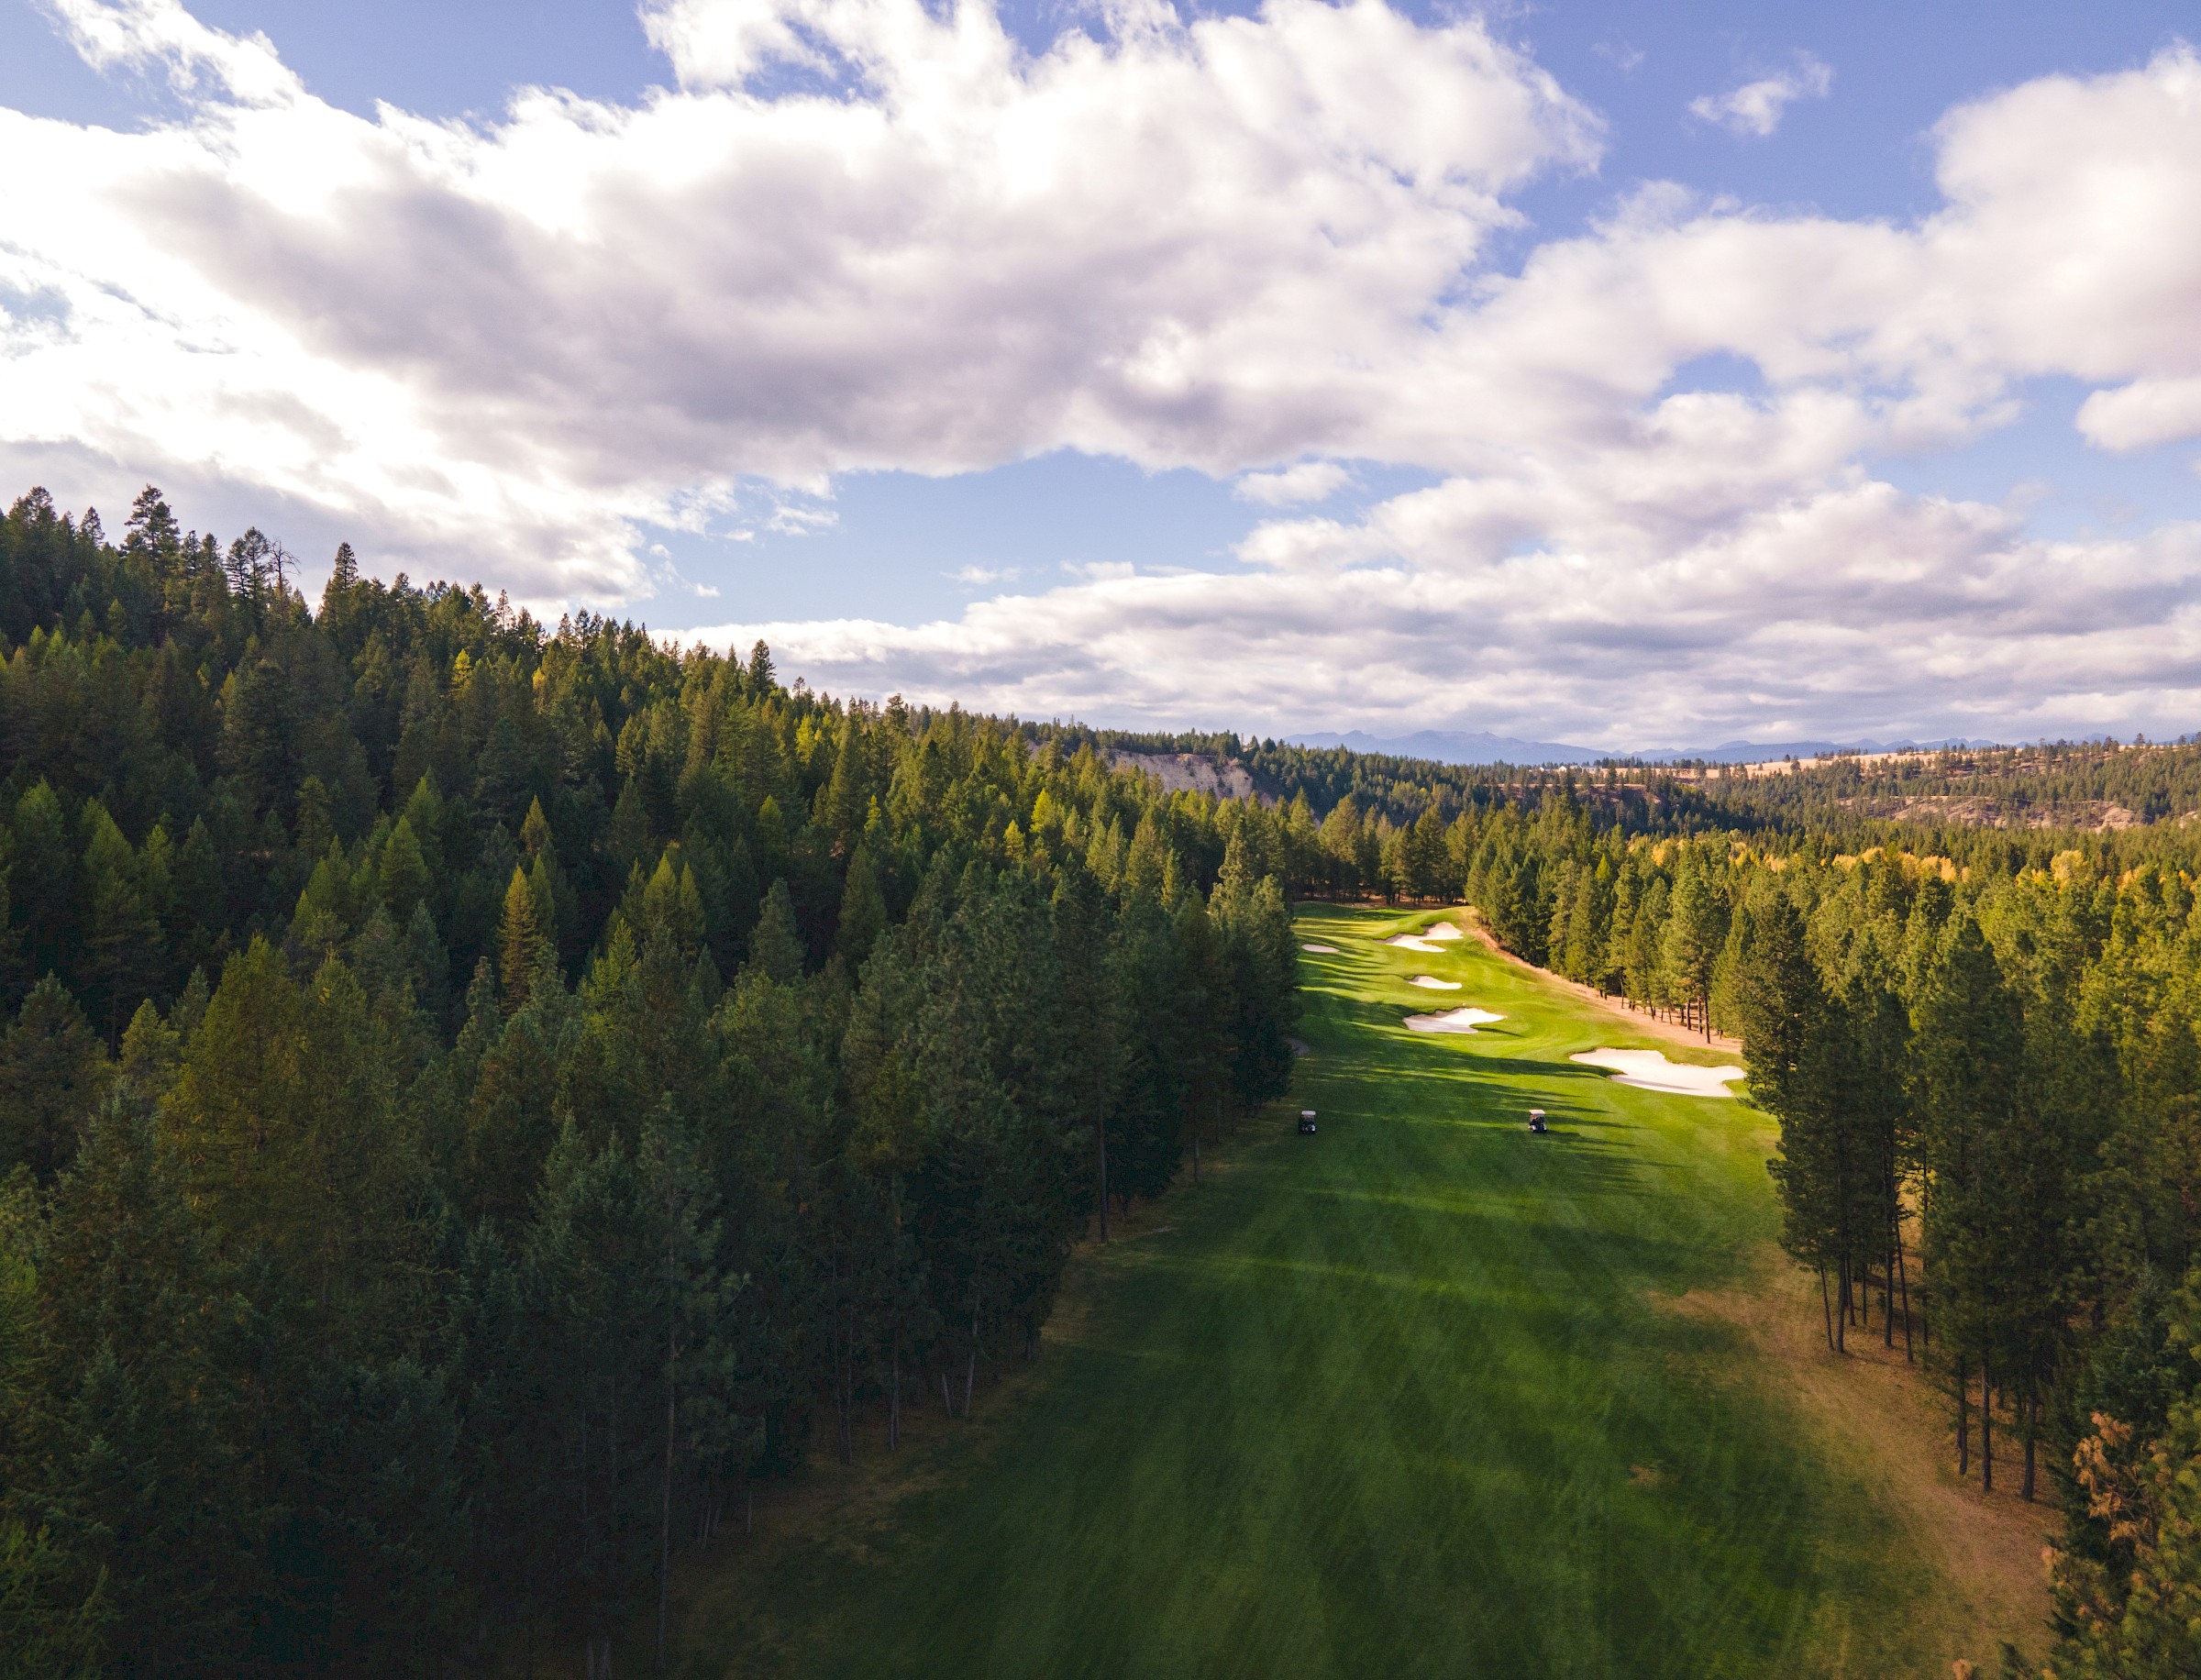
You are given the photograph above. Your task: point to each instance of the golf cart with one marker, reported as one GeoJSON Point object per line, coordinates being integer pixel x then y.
{"type": "Point", "coordinates": [1306, 1121]}
{"type": "Point", "coordinates": [1536, 1119]}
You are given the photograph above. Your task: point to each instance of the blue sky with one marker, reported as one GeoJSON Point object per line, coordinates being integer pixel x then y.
{"type": "Point", "coordinates": [884, 527]}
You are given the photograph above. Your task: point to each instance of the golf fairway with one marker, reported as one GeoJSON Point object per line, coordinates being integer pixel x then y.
{"type": "Point", "coordinates": [1408, 1396]}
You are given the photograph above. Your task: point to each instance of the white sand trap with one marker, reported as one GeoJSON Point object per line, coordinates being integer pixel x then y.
{"type": "Point", "coordinates": [1412, 942]}
{"type": "Point", "coordinates": [1649, 1070]}
{"type": "Point", "coordinates": [1452, 1021]}
{"type": "Point", "coordinates": [1321, 950]}
{"type": "Point", "coordinates": [1430, 982]}
{"type": "Point", "coordinates": [1441, 932]}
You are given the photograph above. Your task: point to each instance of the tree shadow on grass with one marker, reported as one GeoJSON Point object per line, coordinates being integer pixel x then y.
{"type": "Point", "coordinates": [1378, 1082]}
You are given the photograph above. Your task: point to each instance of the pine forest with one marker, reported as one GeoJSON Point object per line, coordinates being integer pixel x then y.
{"type": "Point", "coordinates": [479, 1097]}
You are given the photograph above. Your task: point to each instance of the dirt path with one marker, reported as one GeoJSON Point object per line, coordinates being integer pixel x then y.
{"type": "Point", "coordinates": [1886, 1425]}
{"type": "Point", "coordinates": [1642, 1021]}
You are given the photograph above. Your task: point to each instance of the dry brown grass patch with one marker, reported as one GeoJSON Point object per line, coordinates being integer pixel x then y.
{"type": "Point", "coordinates": [1881, 1418]}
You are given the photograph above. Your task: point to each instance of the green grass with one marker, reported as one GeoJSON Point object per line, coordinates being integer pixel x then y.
{"type": "Point", "coordinates": [1404, 1398]}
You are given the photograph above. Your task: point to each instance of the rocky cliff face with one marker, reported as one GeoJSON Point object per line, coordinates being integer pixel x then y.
{"type": "Point", "coordinates": [1192, 772]}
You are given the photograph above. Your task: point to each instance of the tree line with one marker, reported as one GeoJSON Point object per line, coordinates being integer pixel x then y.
{"type": "Point", "coordinates": [477, 1096]}
{"type": "Point", "coordinates": [1993, 1080]}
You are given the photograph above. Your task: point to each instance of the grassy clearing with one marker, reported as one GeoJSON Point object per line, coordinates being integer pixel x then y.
{"type": "Point", "coordinates": [1412, 1396]}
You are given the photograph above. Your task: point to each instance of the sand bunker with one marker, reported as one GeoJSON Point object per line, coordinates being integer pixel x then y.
{"type": "Point", "coordinates": [1431, 939]}
{"type": "Point", "coordinates": [1451, 1021]}
{"type": "Point", "coordinates": [1430, 982]}
{"type": "Point", "coordinates": [1649, 1070]}
{"type": "Point", "coordinates": [1321, 950]}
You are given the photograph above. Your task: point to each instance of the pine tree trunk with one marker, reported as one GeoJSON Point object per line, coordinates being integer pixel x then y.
{"type": "Point", "coordinates": [2032, 1424]}
{"type": "Point", "coordinates": [1963, 1422]}
{"type": "Point", "coordinates": [895, 1400]}
{"type": "Point", "coordinates": [1903, 1276]}
{"type": "Point", "coordinates": [1987, 1427]}
{"type": "Point", "coordinates": [1826, 1311]}
{"type": "Point", "coordinates": [1888, 1301]}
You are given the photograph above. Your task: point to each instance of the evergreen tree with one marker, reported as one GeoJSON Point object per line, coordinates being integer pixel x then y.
{"type": "Point", "coordinates": [863, 909]}
{"type": "Point", "coordinates": [521, 942]}
{"type": "Point", "coordinates": [776, 944]}
{"type": "Point", "coordinates": [1696, 933]}
{"type": "Point", "coordinates": [1969, 1049]}
{"type": "Point", "coordinates": [54, 1076]}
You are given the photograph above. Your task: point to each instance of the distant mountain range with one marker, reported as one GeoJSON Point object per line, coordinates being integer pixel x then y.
{"type": "Point", "coordinates": [1454, 747]}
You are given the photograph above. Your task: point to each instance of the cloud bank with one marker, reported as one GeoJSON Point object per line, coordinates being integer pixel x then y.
{"type": "Point", "coordinates": [940, 255]}
{"type": "Point", "coordinates": [864, 234]}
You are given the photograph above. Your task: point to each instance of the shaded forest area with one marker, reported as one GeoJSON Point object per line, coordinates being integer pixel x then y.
{"type": "Point", "coordinates": [477, 1095]}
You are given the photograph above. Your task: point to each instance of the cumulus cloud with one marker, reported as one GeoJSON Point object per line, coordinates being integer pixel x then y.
{"type": "Point", "coordinates": [1307, 481]}
{"type": "Point", "coordinates": [938, 254]}
{"type": "Point", "coordinates": [1625, 563]}
{"type": "Point", "coordinates": [1756, 108]}
{"type": "Point", "coordinates": [868, 234]}
{"type": "Point", "coordinates": [2146, 411]}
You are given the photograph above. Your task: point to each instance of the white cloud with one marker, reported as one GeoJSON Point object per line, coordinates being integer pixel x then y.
{"type": "Point", "coordinates": [1307, 481]}
{"type": "Point", "coordinates": [2146, 411]}
{"type": "Point", "coordinates": [953, 255]}
{"type": "Point", "coordinates": [1757, 108]}
{"type": "Point", "coordinates": [790, 519]}
{"type": "Point", "coordinates": [1233, 245]}
{"type": "Point", "coordinates": [1621, 55]}
{"type": "Point", "coordinates": [976, 575]}
{"type": "Point", "coordinates": [1857, 609]}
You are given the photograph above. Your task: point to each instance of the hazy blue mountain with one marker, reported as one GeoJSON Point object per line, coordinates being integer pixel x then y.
{"type": "Point", "coordinates": [1458, 747]}
{"type": "Point", "coordinates": [1477, 746]}
{"type": "Point", "coordinates": [1760, 752]}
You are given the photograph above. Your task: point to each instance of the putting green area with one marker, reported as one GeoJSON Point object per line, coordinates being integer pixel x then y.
{"type": "Point", "coordinates": [1412, 1396]}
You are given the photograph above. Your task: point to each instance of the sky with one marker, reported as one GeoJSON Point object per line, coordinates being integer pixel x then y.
{"type": "Point", "coordinates": [1627, 375]}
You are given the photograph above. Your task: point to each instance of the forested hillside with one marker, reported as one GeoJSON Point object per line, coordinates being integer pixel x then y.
{"type": "Point", "coordinates": [479, 1095]}
{"type": "Point", "coordinates": [2007, 809]}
